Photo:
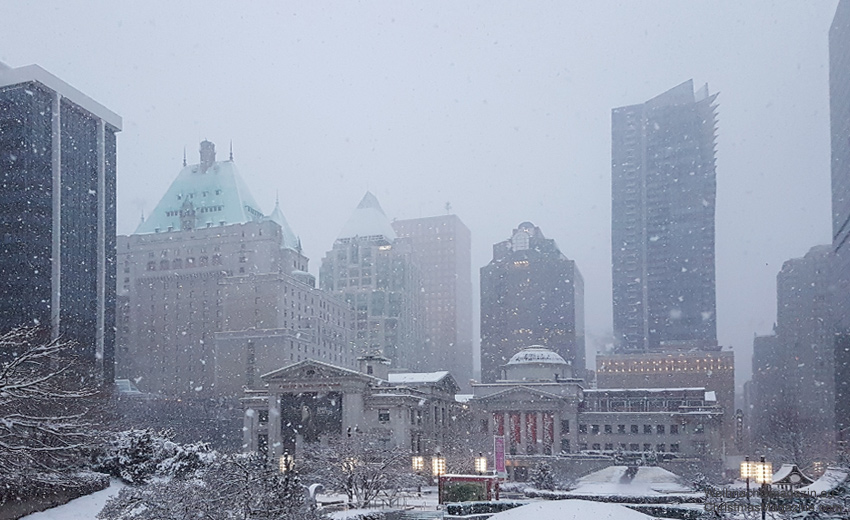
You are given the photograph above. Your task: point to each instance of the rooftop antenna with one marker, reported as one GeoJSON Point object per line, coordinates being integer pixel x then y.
{"type": "Point", "coordinates": [277, 197]}
{"type": "Point", "coordinates": [448, 207]}
{"type": "Point", "coordinates": [231, 150]}
{"type": "Point", "coordinates": [184, 156]}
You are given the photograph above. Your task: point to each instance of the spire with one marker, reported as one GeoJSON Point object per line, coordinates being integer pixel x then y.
{"type": "Point", "coordinates": [184, 156]}
{"type": "Point", "coordinates": [231, 150]}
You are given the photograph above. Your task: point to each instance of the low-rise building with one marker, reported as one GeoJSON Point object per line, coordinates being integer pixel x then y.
{"type": "Point", "coordinates": [312, 400]}
{"type": "Point", "coordinates": [541, 410]}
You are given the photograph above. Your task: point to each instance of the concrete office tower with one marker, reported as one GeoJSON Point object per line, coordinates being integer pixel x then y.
{"type": "Point", "coordinates": [375, 271]}
{"type": "Point", "coordinates": [443, 250]}
{"type": "Point", "coordinates": [662, 226]}
{"type": "Point", "coordinates": [57, 163]}
{"type": "Point", "coordinates": [213, 293]}
{"type": "Point", "coordinates": [531, 294]}
{"type": "Point", "coordinates": [839, 110]}
{"type": "Point", "coordinates": [793, 370]}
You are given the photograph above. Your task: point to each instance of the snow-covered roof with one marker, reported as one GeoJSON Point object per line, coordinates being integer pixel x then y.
{"type": "Point", "coordinates": [570, 510]}
{"type": "Point", "coordinates": [829, 481]}
{"type": "Point", "coordinates": [710, 396]}
{"type": "Point", "coordinates": [34, 73]}
{"type": "Point", "coordinates": [417, 377]}
{"type": "Point", "coordinates": [782, 475]}
{"type": "Point", "coordinates": [368, 220]}
{"type": "Point", "coordinates": [288, 239]}
{"type": "Point", "coordinates": [536, 354]}
{"type": "Point", "coordinates": [463, 398]}
{"type": "Point", "coordinates": [217, 194]}
{"type": "Point", "coordinates": [599, 390]}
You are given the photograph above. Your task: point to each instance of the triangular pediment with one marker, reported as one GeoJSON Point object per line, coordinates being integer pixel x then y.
{"type": "Point", "coordinates": [520, 393]}
{"type": "Point", "coordinates": [312, 370]}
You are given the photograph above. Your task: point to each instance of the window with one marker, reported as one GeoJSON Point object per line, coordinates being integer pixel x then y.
{"type": "Point", "coordinates": [594, 429]}
{"type": "Point", "coordinates": [582, 446]}
{"type": "Point", "coordinates": [565, 445]}
{"type": "Point", "coordinates": [621, 429]}
{"type": "Point", "coordinates": [674, 430]}
{"type": "Point", "coordinates": [647, 446]}
{"type": "Point", "coordinates": [634, 429]}
{"type": "Point", "coordinates": [660, 448]}
{"type": "Point", "coordinates": [659, 429]}
{"type": "Point", "coordinates": [582, 428]}
{"type": "Point", "coordinates": [384, 415]}
{"type": "Point", "coordinates": [634, 447]}
{"type": "Point", "coordinates": [565, 426]}
{"type": "Point", "coordinates": [699, 428]}
{"type": "Point", "coordinates": [647, 429]}
{"type": "Point", "coordinates": [609, 446]}
{"type": "Point", "coordinates": [609, 429]}
{"type": "Point", "coordinates": [596, 446]}
{"type": "Point", "coordinates": [674, 447]}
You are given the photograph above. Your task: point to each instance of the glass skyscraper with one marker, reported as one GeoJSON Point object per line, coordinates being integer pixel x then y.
{"type": "Point", "coordinates": [57, 224]}
{"type": "Point", "coordinates": [662, 229]}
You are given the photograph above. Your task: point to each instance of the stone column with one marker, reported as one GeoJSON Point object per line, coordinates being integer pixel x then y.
{"type": "Point", "coordinates": [249, 430]}
{"type": "Point", "coordinates": [540, 428]}
{"type": "Point", "coordinates": [556, 432]}
{"type": "Point", "coordinates": [275, 442]}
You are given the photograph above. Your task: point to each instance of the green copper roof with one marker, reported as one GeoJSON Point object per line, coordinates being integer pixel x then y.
{"type": "Point", "coordinates": [200, 198]}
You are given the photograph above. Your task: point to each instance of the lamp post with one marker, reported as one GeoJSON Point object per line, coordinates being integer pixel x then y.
{"type": "Point", "coordinates": [480, 464]}
{"type": "Point", "coordinates": [417, 464]}
{"type": "Point", "coordinates": [287, 462]}
{"type": "Point", "coordinates": [764, 476]}
{"type": "Point", "coordinates": [747, 472]}
{"type": "Point", "coordinates": [438, 469]}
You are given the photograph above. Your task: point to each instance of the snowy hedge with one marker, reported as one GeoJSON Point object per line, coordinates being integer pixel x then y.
{"type": "Point", "coordinates": [139, 456]}
{"type": "Point", "coordinates": [48, 488]}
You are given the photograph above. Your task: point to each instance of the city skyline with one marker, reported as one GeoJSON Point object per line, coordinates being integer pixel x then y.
{"type": "Point", "coordinates": [488, 113]}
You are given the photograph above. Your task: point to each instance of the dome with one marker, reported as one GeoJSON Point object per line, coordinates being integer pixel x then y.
{"type": "Point", "coordinates": [536, 354]}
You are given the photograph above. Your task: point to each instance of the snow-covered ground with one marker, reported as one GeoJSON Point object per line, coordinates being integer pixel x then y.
{"type": "Point", "coordinates": [570, 510]}
{"type": "Point", "coordinates": [83, 508]}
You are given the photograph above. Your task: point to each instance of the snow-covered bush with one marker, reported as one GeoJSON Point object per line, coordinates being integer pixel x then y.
{"type": "Point", "coordinates": [138, 456]}
{"type": "Point", "coordinates": [542, 477]}
{"type": "Point", "coordinates": [233, 486]}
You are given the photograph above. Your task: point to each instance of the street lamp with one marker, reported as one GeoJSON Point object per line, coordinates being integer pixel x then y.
{"type": "Point", "coordinates": [417, 463]}
{"type": "Point", "coordinates": [748, 469]}
{"type": "Point", "coordinates": [287, 462]}
{"type": "Point", "coordinates": [438, 469]}
{"type": "Point", "coordinates": [764, 476]}
{"type": "Point", "coordinates": [480, 464]}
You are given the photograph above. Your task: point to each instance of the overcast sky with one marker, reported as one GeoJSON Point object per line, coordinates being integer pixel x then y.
{"type": "Point", "coordinates": [502, 109]}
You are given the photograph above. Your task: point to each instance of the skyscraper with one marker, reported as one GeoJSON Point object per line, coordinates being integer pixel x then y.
{"type": "Point", "coordinates": [531, 294]}
{"type": "Point", "coordinates": [839, 111]}
{"type": "Point", "coordinates": [376, 273]}
{"type": "Point", "coordinates": [443, 250]}
{"type": "Point", "coordinates": [662, 227]}
{"type": "Point", "coordinates": [57, 223]}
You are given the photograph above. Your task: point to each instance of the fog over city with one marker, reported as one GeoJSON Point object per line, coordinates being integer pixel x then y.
{"type": "Point", "coordinates": [502, 110]}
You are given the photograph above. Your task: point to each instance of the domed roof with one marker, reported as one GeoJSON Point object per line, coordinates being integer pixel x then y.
{"type": "Point", "coordinates": [536, 354]}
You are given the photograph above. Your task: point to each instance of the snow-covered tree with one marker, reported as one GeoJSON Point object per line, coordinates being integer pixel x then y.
{"type": "Point", "coordinates": [42, 407]}
{"type": "Point", "coordinates": [361, 466]}
{"type": "Point", "coordinates": [542, 477]}
{"type": "Point", "coordinates": [243, 487]}
{"type": "Point", "coordinates": [137, 456]}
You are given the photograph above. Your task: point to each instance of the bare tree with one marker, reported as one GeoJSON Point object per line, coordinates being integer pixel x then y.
{"type": "Point", "coordinates": [360, 465]}
{"type": "Point", "coordinates": [42, 408]}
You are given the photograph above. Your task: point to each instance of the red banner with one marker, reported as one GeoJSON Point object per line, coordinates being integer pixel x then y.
{"type": "Point", "coordinates": [499, 454]}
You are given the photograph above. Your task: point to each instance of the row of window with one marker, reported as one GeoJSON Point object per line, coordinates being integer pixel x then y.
{"type": "Point", "coordinates": [177, 263]}
{"type": "Point", "coordinates": [634, 429]}
{"type": "Point", "coordinates": [609, 446]}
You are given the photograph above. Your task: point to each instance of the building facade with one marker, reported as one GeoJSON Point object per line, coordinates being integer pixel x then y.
{"type": "Point", "coordinates": [530, 294]}
{"type": "Point", "coordinates": [213, 293]}
{"type": "Point", "coordinates": [443, 250]}
{"type": "Point", "coordinates": [839, 110]}
{"type": "Point", "coordinates": [712, 370]}
{"type": "Point", "coordinates": [376, 272]}
{"type": "Point", "coordinates": [662, 225]}
{"type": "Point", "coordinates": [542, 411]}
{"type": "Point", "coordinates": [58, 167]}
{"type": "Point", "coordinates": [793, 370]}
{"type": "Point", "coordinates": [312, 400]}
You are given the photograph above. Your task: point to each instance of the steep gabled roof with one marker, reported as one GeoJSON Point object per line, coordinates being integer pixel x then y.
{"type": "Point", "coordinates": [217, 194]}
{"type": "Point", "coordinates": [519, 390]}
{"type": "Point", "coordinates": [368, 220]}
{"type": "Point", "coordinates": [289, 240]}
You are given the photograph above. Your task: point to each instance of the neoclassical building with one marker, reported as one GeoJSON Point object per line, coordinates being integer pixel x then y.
{"type": "Point", "coordinates": [541, 410]}
{"type": "Point", "coordinates": [311, 400]}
